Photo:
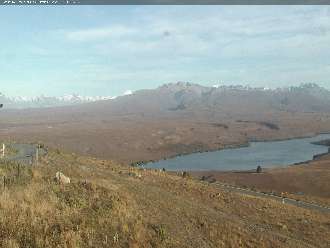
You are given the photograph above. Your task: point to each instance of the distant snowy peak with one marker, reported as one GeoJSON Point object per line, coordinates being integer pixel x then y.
{"type": "Point", "coordinates": [65, 98]}
{"type": "Point", "coordinates": [78, 98]}
{"type": "Point", "coordinates": [49, 101]}
{"type": "Point", "coordinates": [306, 87]}
{"type": "Point", "coordinates": [128, 92]}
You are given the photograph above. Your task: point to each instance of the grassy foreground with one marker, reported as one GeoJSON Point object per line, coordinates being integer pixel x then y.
{"type": "Point", "coordinates": [110, 205]}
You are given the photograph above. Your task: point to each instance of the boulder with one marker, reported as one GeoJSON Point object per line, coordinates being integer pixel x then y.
{"type": "Point", "coordinates": [61, 178]}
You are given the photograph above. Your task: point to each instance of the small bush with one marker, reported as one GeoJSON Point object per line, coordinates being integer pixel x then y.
{"type": "Point", "coordinates": [269, 125]}
{"type": "Point", "coordinates": [259, 169]}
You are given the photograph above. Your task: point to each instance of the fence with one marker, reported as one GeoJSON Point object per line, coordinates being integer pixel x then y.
{"type": "Point", "coordinates": [15, 172]}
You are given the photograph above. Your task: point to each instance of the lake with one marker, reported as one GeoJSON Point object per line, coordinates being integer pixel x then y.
{"type": "Point", "coordinates": [266, 154]}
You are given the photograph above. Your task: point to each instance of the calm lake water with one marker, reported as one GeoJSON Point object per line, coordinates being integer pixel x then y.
{"type": "Point", "coordinates": [265, 154]}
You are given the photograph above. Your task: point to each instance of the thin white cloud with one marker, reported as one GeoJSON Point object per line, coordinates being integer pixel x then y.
{"type": "Point", "coordinates": [242, 44]}
{"type": "Point", "coordinates": [211, 36]}
{"type": "Point", "coordinates": [94, 34]}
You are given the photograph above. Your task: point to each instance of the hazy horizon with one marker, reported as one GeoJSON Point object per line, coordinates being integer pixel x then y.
{"type": "Point", "coordinates": [128, 92]}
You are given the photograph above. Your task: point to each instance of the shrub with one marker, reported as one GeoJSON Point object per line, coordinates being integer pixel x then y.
{"type": "Point", "coordinates": [259, 169]}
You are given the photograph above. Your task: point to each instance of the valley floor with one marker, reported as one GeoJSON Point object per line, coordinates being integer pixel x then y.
{"type": "Point", "coordinates": [132, 138]}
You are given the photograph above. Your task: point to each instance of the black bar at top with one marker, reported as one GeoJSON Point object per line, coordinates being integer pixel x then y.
{"type": "Point", "coordinates": [164, 2]}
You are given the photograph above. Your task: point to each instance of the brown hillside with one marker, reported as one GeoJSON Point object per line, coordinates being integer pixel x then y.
{"type": "Point", "coordinates": [108, 205]}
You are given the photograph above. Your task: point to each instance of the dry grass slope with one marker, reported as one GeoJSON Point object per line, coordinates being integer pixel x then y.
{"type": "Point", "coordinates": [110, 205]}
{"type": "Point", "coordinates": [308, 181]}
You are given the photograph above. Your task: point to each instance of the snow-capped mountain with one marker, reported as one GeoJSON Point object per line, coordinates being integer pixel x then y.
{"type": "Point", "coordinates": [48, 101]}
{"type": "Point", "coordinates": [183, 95]}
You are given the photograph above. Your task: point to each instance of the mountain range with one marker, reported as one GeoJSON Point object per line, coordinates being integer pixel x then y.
{"type": "Point", "coordinates": [186, 98]}
{"type": "Point", "coordinates": [173, 119]}
{"type": "Point", "coordinates": [176, 96]}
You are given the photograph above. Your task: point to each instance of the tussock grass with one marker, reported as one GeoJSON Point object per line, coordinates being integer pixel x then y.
{"type": "Point", "coordinates": [106, 205]}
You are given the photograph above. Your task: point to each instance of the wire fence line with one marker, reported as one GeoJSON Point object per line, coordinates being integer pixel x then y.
{"type": "Point", "coordinates": [18, 166]}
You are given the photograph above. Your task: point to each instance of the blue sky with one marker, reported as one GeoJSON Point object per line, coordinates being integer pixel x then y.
{"type": "Point", "coordinates": [106, 50]}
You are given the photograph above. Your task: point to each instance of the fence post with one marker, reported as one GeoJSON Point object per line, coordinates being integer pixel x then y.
{"type": "Point", "coordinates": [18, 170]}
{"type": "Point", "coordinates": [3, 150]}
{"type": "Point", "coordinates": [37, 155]}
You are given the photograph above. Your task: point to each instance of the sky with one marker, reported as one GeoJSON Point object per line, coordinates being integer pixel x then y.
{"type": "Point", "coordinates": [107, 50]}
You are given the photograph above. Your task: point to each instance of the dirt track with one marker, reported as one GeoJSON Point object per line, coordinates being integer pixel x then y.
{"type": "Point", "coordinates": [284, 200]}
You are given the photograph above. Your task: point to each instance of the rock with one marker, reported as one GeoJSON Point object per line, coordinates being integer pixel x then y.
{"type": "Point", "coordinates": [134, 174]}
{"type": "Point", "coordinates": [61, 178]}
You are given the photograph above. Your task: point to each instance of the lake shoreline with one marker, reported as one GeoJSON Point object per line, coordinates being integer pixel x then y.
{"type": "Point", "coordinates": [210, 172]}
{"type": "Point", "coordinates": [227, 147]}
{"type": "Point", "coordinates": [248, 144]}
